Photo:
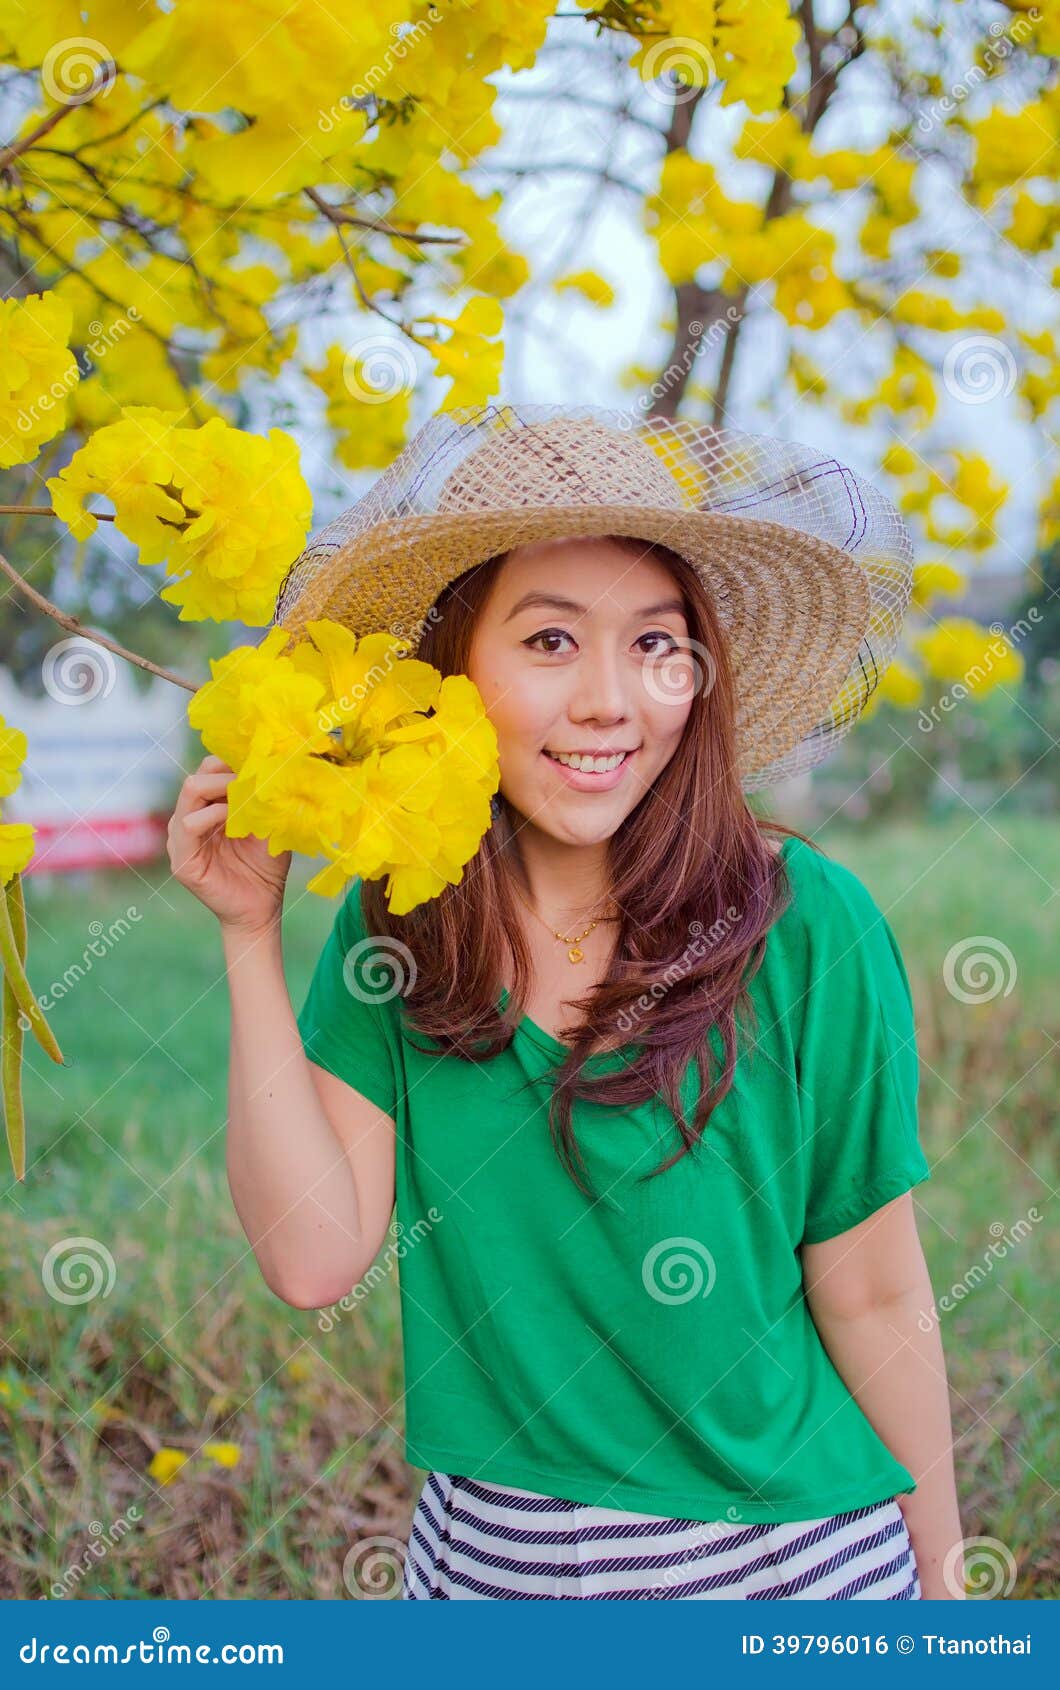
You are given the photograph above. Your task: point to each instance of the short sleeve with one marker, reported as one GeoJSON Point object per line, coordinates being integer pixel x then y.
{"type": "Point", "coordinates": [858, 1063]}
{"type": "Point", "coordinates": [348, 1022]}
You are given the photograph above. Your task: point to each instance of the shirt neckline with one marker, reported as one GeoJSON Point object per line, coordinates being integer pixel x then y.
{"type": "Point", "coordinates": [555, 1047]}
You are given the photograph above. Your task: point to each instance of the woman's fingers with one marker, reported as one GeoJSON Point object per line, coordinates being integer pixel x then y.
{"type": "Point", "coordinates": [199, 788]}
{"type": "Point", "coordinates": [206, 816]}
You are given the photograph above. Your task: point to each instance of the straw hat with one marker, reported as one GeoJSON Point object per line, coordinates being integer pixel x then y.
{"type": "Point", "coordinates": [808, 566]}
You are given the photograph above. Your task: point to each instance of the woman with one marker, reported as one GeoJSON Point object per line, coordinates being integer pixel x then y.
{"type": "Point", "coordinates": [643, 1084]}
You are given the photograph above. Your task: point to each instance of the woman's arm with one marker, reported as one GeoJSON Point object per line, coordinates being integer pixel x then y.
{"type": "Point", "coordinates": [310, 1161]}
{"type": "Point", "coordinates": [871, 1299]}
{"type": "Point", "coordinates": [293, 1169]}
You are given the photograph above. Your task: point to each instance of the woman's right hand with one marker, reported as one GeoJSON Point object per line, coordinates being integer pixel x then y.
{"type": "Point", "coordinates": [237, 879]}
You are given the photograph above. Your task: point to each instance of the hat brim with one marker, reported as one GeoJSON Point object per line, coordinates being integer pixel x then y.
{"type": "Point", "coordinates": [794, 609]}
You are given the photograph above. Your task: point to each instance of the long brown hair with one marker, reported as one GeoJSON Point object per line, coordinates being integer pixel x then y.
{"type": "Point", "coordinates": [696, 887]}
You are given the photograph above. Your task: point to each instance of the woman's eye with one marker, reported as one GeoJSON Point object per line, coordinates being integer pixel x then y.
{"type": "Point", "coordinates": [547, 634]}
{"type": "Point", "coordinates": [659, 634]}
{"type": "Point", "coordinates": [555, 634]}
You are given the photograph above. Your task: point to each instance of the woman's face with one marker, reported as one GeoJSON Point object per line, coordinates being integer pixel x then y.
{"type": "Point", "coordinates": [573, 653]}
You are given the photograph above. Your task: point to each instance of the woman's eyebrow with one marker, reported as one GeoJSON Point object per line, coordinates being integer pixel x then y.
{"type": "Point", "coordinates": [556, 601]}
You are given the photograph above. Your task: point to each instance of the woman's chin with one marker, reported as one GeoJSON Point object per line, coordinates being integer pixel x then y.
{"type": "Point", "coordinates": [571, 822]}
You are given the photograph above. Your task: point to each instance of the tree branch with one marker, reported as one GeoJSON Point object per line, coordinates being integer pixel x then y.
{"type": "Point", "coordinates": [15, 149]}
{"type": "Point", "coordinates": [72, 624]}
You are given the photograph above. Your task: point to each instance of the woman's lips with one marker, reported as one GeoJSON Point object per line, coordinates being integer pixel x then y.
{"type": "Point", "coordinates": [587, 780]}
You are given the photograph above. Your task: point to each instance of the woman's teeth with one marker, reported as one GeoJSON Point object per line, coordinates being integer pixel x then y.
{"type": "Point", "coordinates": [595, 765]}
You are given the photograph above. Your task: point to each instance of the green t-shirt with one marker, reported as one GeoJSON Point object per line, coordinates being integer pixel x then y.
{"type": "Point", "coordinates": [652, 1350]}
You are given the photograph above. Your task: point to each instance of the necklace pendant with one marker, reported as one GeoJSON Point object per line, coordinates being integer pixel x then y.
{"type": "Point", "coordinates": [576, 954]}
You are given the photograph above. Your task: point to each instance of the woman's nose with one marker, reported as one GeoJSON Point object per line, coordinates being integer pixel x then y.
{"type": "Point", "coordinates": [600, 689]}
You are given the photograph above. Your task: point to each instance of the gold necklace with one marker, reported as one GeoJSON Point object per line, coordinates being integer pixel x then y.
{"type": "Point", "coordinates": [571, 940]}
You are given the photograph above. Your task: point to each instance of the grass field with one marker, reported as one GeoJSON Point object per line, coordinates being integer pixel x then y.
{"type": "Point", "coordinates": [126, 1148]}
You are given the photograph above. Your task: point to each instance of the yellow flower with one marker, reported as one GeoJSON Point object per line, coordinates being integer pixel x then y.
{"type": "Point", "coordinates": [287, 717]}
{"type": "Point", "coordinates": [757, 40]}
{"type": "Point", "coordinates": [225, 709]}
{"type": "Point", "coordinates": [166, 1464]}
{"type": "Point", "coordinates": [898, 460]}
{"type": "Point", "coordinates": [586, 282]}
{"type": "Point", "coordinates": [226, 511]}
{"type": "Point", "coordinates": [900, 685]}
{"type": "Point", "coordinates": [345, 748]}
{"type": "Point", "coordinates": [13, 746]}
{"type": "Point", "coordinates": [693, 221]}
{"type": "Point", "coordinates": [298, 802]}
{"type": "Point", "coordinates": [371, 426]}
{"type": "Point", "coordinates": [38, 372]}
{"type": "Point", "coordinates": [16, 848]}
{"type": "Point", "coordinates": [1011, 146]}
{"type": "Point", "coordinates": [910, 387]}
{"type": "Point", "coordinates": [749, 44]}
{"type": "Point", "coordinates": [370, 685]}
{"type": "Point", "coordinates": [930, 579]}
{"type": "Point", "coordinates": [225, 1454]}
{"type": "Point", "coordinates": [470, 356]}
{"type": "Point", "coordinates": [959, 649]}
{"type": "Point", "coordinates": [14, 1393]}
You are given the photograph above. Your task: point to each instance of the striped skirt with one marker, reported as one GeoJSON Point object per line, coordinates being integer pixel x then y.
{"type": "Point", "coordinates": [470, 1539]}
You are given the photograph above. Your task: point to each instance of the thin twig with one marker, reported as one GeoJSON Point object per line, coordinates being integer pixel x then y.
{"type": "Point", "coordinates": [15, 149]}
{"type": "Point", "coordinates": [72, 624]}
{"type": "Point", "coordinates": [334, 214]}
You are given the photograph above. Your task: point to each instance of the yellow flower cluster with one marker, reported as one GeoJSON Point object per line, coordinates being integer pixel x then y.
{"type": "Point", "coordinates": [16, 838]}
{"type": "Point", "coordinates": [1011, 147]}
{"type": "Point", "coordinates": [932, 311]}
{"type": "Point", "coordinates": [747, 44]}
{"type": "Point", "coordinates": [958, 649]}
{"type": "Point", "coordinates": [166, 1463]}
{"type": "Point", "coordinates": [969, 481]}
{"type": "Point", "coordinates": [932, 579]}
{"type": "Point", "coordinates": [370, 423]}
{"type": "Point", "coordinates": [226, 511]}
{"type": "Point", "coordinates": [336, 755]}
{"type": "Point", "coordinates": [694, 222]}
{"type": "Point", "coordinates": [471, 359]}
{"type": "Point", "coordinates": [908, 390]}
{"type": "Point", "coordinates": [691, 217]}
{"type": "Point", "coordinates": [756, 42]}
{"type": "Point", "coordinates": [38, 372]}
{"type": "Point", "coordinates": [900, 686]}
